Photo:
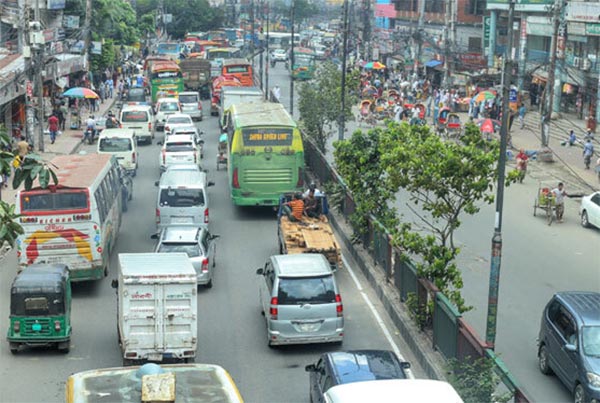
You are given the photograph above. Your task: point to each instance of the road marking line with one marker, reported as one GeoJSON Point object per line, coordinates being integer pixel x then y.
{"type": "Point", "coordinates": [376, 315]}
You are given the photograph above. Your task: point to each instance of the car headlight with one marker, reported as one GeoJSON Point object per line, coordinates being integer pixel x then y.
{"type": "Point", "coordinates": [593, 379]}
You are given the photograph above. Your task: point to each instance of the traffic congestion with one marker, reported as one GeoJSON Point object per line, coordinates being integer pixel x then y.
{"type": "Point", "coordinates": [179, 243]}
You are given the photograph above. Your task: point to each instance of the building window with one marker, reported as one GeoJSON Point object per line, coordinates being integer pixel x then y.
{"type": "Point", "coordinates": [475, 7]}
{"type": "Point", "coordinates": [406, 5]}
{"type": "Point", "coordinates": [434, 6]}
{"type": "Point", "coordinates": [475, 44]}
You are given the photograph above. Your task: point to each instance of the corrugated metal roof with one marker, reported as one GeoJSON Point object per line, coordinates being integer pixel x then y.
{"type": "Point", "coordinates": [261, 113]}
{"type": "Point", "coordinates": [78, 171]}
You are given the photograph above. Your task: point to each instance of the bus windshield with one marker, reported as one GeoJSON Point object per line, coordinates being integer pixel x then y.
{"type": "Point", "coordinates": [263, 137]}
{"type": "Point", "coordinates": [47, 201]}
{"type": "Point", "coordinates": [167, 48]}
{"type": "Point", "coordinates": [111, 145]}
{"type": "Point", "coordinates": [236, 69]}
{"type": "Point", "coordinates": [166, 74]}
{"type": "Point", "coordinates": [303, 59]}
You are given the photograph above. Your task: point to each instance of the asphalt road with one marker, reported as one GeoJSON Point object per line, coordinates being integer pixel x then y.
{"type": "Point", "coordinates": [537, 261]}
{"type": "Point", "coordinates": [231, 331]}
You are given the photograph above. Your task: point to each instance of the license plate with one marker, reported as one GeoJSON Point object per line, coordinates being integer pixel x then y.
{"type": "Point", "coordinates": [182, 220]}
{"type": "Point", "coordinates": [155, 357]}
{"type": "Point", "coordinates": [309, 327]}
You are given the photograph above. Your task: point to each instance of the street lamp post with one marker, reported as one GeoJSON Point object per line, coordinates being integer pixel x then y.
{"type": "Point", "coordinates": [342, 124]}
{"type": "Point", "coordinates": [492, 313]}
{"type": "Point", "coordinates": [293, 12]}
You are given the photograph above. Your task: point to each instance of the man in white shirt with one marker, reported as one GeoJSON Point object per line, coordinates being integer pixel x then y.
{"type": "Point", "coordinates": [559, 194]}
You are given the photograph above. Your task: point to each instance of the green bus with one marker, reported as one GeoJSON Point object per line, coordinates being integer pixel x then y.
{"type": "Point", "coordinates": [303, 64]}
{"type": "Point", "coordinates": [166, 80]}
{"type": "Point", "coordinates": [266, 154]}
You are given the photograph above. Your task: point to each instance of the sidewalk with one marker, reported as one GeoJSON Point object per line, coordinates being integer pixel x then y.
{"type": "Point", "coordinates": [66, 143]}
{"type": "Point", "coordinates": [568, 161]}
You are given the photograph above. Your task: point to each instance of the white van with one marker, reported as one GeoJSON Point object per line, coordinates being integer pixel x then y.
{"type": "Point", "coordinates": [393, 391]}
{"type": "Point", "coordinates": [182, 199]}
{"type": "Point", "coordinates": [139, 118]}
{"type": "Point", "coordinates": [122, 143]}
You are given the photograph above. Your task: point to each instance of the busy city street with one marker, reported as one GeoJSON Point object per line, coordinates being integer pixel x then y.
{"type": "Point", "coordinates": [231, 330]}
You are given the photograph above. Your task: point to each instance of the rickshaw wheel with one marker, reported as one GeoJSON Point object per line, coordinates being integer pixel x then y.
{"type": "Point", "coordinates": [14, 348]}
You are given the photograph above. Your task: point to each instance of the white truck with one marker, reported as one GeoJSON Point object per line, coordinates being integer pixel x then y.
{"type": "Point", "coordinates": [157, 307]}
{"type": "Point", "coordinates": [237, 95]}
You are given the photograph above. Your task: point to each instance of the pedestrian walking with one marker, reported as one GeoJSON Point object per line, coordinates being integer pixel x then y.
{"type": "Point", "coordinates": [53, 127]}
{"type": "Point", "coordinates": [64, 112]}
{"type": "Point", "coordinates": [588, 152]}
{"type": "Point", "coordinates": [522, 112]}
{"type": "Point", "coordinates": [559, 194]}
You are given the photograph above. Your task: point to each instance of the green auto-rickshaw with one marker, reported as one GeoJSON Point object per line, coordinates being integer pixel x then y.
{"type": "Point", "coordinates": [40, 307]}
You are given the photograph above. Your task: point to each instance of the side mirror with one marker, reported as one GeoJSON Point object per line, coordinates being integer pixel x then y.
{"type": "Point", "coordinates": [164, 120]}
{"type": "Point", "coordinates": [310, 368]}
{"type": "Point", "coordinates": [114, 284]}
{"type": "Point", "coordinates": [215, 236]}
{"type": "Point", "coordinates": [405, 365]}
{"type": "Point", "coordinates": [210, 183]}
{"type": "Point", "coordinates": [260, 271]}
{"type": "Point", "coordinates": [159, 143]}
{"type": "Point", "coordinates": [570, 347]}
{"type": "Point", "coordinates": [200, 141]}
{"type": "Point", "coordinates": [154, 236]}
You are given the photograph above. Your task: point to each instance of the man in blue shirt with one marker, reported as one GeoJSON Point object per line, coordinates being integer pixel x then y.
{"type": "Point", "coordinates": [588, 151]}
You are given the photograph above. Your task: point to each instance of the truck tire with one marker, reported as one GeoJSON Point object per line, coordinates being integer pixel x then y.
{"type": "Point", "coordinates": [14, 347]}
{"type": "Point", "coordinates": [64, 347]}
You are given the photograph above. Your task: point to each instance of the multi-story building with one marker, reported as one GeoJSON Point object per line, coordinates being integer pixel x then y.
{"type": "Point", "coordinates": [63, 59]}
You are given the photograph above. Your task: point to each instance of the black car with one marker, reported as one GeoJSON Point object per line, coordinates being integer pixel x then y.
{"type": "Point", "coordinates": [136, 94]}
{"type": "Point", "coordinates": [353, 366]}
{"type": "Point", "coordinates": [569, 343]}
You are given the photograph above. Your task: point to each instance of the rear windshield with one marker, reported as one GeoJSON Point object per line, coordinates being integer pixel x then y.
{"type": "Point", "coordinates": [181, 198]}
{"type": "Point", "coordinates": [169, 107]}
{"type": "Point", "coordinates": [301, 290]}
{"type": "Point", "coordinates": [179, 119]}
{"type": "Point", "coordinates": [188, 99]}
{"type": "Point", "coordinates": [192, 249]}
{"type": "Point", "coordinates": [113, 145]}
{"type": "Point", "coordinates": [54, 201]}
{"type": "Point", "coordinates": [236, 69]}
{"type": "Point", "coordinates": [134, 116]}
{"type": "Point", "coordinates": [136, 95]}
{"type": "Point", "coordinates": [179, 147]}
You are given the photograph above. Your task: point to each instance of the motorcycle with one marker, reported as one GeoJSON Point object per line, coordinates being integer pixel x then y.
{"type": "Point", "coordinates": [89, 135]}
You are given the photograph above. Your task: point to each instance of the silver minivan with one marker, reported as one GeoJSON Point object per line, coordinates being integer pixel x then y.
{"type": "Point", "coordinates": [197, 243]}
{"type": "Point", "coordinates": [300, 300]}
{"type": "Point", "coordinates": [182, 199]}
{"type": "Point", "coordinates": [191, 104]}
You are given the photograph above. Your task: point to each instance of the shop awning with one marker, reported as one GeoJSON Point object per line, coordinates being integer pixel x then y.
{"type": "Point", "coordinates": [11, 66]}
{"type": "Point", "coordinates": [433, 63]}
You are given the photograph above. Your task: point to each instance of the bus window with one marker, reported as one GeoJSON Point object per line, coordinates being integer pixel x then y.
{"type": "Point", "coordinates": [31, 202]}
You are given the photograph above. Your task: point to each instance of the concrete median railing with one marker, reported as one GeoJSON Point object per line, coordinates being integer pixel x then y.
{"type": "Point", "coordinates": [446, 332]}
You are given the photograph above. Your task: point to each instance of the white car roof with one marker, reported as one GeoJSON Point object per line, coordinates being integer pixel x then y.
{"type": "Point", "coordinates": [178, 138]}
{"type": "Point", "coordinates": [179, 115]}
{"type": "Point", "coordinates": [161, 100]}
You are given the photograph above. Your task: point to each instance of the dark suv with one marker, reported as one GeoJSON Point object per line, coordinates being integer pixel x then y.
{"type": "Point", "coordinates": [569, 343]}
{"type": "Point", "coordinates": [353, 366]}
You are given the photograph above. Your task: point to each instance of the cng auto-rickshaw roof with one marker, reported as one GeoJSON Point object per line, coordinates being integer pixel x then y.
{"type": "Point", "coordinates": [49, 276]}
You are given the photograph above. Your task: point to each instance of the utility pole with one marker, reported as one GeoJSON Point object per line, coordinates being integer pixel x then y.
{"type": "Point", "coordinates": [30, 57]}
{"type": "Point", "coordinates": [492, 313]}
{"type": "Point", "coordinates": [262, 46]}
{"type": "Point", "coordinates": [446, 44]}
{"type": "Point", "coordinates": [87, 30]}
{"type": "Point", "coordinates": [267, 91]}
{"type": "Point", "coordinates": [453, 16]}
{"type": "Point", "coordinates": [367, 31]}
{"type": "Point", "coordinates": [418, 37]}
{"type": "Point", "coordinates": [39, 81]}
{"type": "Point", "coordinates": [342, 124]}
{"type": "Point", "coordinates": [252, 29]}
{"type": "Point", "coordinates": [293, 12]}
{"type": "Point", "coordinates": [546, 111]}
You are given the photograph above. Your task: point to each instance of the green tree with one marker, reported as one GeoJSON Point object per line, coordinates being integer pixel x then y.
{"type": "Point", "coordinates": [443, 180]}
{"type": "Point", "coordinates": [475, 380]}
{"type": "Point", "coordinates": [26, 173]}
{"type": "Point", "coordinates": [192, 15]}
{"type": "Point", "coordinates": [320, 101]}
{"type": "Point", "coordinates": [106, 59]}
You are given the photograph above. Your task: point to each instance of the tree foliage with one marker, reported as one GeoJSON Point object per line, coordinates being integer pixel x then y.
{"type": "Point", "coordinates": [106, 59]}
{"type": "Point", "coordinates": [303, 9]}
{"type": "Point", "coordinates": [475, 380]}
{"type": "Point", "coordinates": [189, 16]}
{"type": "Point", "coordinates": [443, 180]}
{"type": "Point", "coordinates": [320, 101]}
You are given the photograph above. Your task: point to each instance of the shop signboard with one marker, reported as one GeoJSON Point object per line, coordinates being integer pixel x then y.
{"type": "Point", "coordinates": [487, 24]}
{"type": "Point", "coordinates": [521, 5]}
{"type": "Point", "coordinates": [580, 11]}
{"type": "Point", "coordinates": [56, 4]}
{"type": "Point", "coordinates": [592, 29]}
{"type": "Point", "coordinates": [512, 99]}
{"type": "Point", "coordinates": [576, 28]}
{"type": "Point", "coordinates": [385, 10]}
{"type": "Point", "coordinates": [71, 21]}
{"type": "Point", "coordinates": [539, 26]}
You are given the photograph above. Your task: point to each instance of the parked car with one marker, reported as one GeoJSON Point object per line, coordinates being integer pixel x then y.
{"type": "Point", "coordinates": [191, 104]}
{"type": "Point", "coordinates": [179, 149]}
{"type": "Point", "coordinates": [569, 343]}
{"type": "Point", "coordinates": [177, 120]}
{"type": "Point", "coordinates": [197, 243]}
{"type": "Point", "coordinates": [343, 367]}
{"type": "Point", "coordinates": [300, 300]}
{"type": "Point", "coordinates": [164, 108]}
{"type": "Point", "coordinates": [590, 210]}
